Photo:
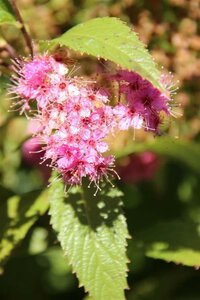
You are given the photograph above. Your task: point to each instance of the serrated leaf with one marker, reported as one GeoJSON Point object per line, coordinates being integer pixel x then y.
{"type": "Point", "coordinates": [173, 241]}
{"type": "Point", "coordinates": [17, 215]}
{"type": "Point", "coordinates": [92, 232]}
{"type": "Point", "coordinates": [111, 39]}
{"type": "Point", "coordinates": [186, 152]}
{"type": "Point", "coordinates": [6, 13]}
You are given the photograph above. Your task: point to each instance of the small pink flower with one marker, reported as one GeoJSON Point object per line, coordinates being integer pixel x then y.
{"type": "Point", "coordinates": [127, 118]}
{"type": "Point", "coordinates": [36, 81]}
{"type": "Point", "coordinates": [32, 154]}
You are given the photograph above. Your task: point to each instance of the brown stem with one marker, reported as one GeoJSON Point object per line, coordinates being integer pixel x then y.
{"type": "Point", "coordinates": [23, 28]}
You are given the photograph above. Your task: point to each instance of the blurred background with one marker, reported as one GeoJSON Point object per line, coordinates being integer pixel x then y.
{"type": "Point", "coordinates": [159, 176]}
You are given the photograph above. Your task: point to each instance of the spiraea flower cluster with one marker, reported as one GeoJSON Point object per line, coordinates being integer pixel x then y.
{"type": "Point", "coordinates": [74, 118]}
{"type": "Point", "coordinates": [144, 99]}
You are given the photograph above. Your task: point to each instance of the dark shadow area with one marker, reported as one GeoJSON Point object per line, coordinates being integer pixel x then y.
{"type": "Point", "coordinates": [175, 235]}
{"type": "Point", "coordinates": [95, 211]}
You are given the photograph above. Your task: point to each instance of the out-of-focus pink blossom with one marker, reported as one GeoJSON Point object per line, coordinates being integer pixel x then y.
{"type": "Point", "coordinates": [141, 167]}
{"type": "Point", "coordinates": [32, 154]}
{"type": "Point", "coordinates": [30, 150]}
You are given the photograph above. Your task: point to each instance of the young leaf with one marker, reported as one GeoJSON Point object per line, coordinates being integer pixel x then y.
{"type": "Point", "coordinates": [17, 215]}
{"type": "Point", "coordinates": [174, 241]}
{"type": "Point", "coordinates": [6, 14]}
{"type": "Point", "coordinates": [113, 40]}
{"type": "Point", "coordinates": [92, 232]}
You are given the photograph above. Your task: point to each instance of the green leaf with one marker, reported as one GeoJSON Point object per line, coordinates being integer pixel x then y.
{"type": "Point", "coordinates": [6, 14]}
{"type": "Point", "coordinates": [113, 40]}
{"type": "Point", "coordinates": [5, 193]}
{"type": "Point", "coordinates": [173, 241]}
{"type": "Point", "coordinates": [17, 215]}
{"type": "Point", "coordinates": [3, 83]}
{"type": "Point", "coordinates": [186, 152]}
{"type": "Point", "coordinates": [92, 231]}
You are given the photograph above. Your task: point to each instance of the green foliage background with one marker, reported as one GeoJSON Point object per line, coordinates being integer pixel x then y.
{"type": "Point", "coordinates": [163, 213]}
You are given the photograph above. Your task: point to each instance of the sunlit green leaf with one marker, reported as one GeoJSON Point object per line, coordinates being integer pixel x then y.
{"type": "Point", "coordinates": [17, 215]}
{"type": "Point", "coordinates": [6, 13]}
{"type": "Point", "coordinates": [38, 242]}
{"type": "Point", "coordinates": [92, 232]}
{"type": "Point", "coordinates": [113, 40]}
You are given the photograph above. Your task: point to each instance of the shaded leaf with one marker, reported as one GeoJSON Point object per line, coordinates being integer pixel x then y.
{"type": "Point", "coordinates": [3, 83]}
{"type": "Point", "coordinates": [58, 275]}
{"type": "Point", "coordinates": [110, 39]}
{"type": "Point", "coordinates": [17, 215]}
{"type": "Point", "coordinates": [92, 232]}
{"type": "Point", "coordinates": [4, 193]}
{"type": "Point", "coordinates": [174, 241]}
{"type": "Point", "coordinates": [183, 151]}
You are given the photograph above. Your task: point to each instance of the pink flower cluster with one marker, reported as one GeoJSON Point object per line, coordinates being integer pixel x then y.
{"type": "Point", "coordinates": [74, 118]}
{"type": "Point", "coordinates": [143, 98]}
{"type": "Point", "coordinates": [40, 80]}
